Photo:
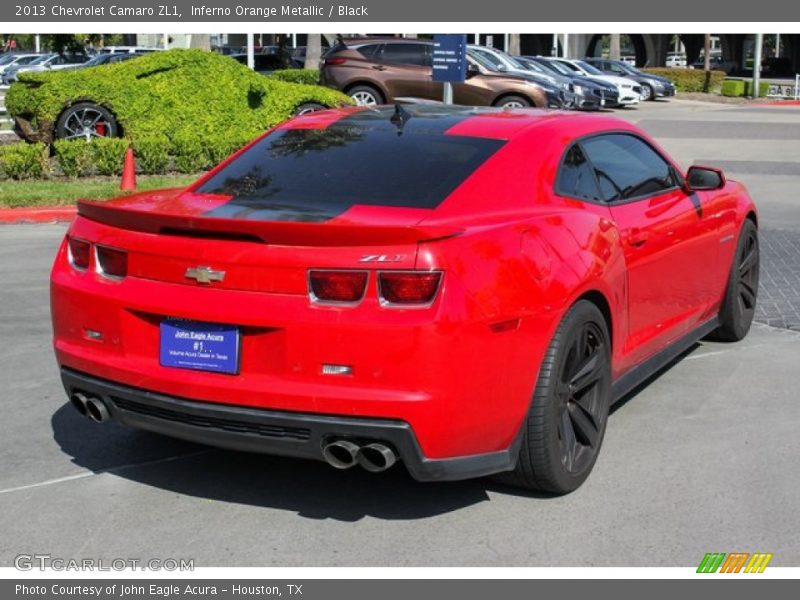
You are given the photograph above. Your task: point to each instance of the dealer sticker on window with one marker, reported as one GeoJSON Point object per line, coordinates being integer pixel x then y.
{"type": "Point", "coordinates": [199, 346]}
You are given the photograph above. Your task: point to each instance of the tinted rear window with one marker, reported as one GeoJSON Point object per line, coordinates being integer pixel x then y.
{"type": "Point", "coordinates": [317, 174]}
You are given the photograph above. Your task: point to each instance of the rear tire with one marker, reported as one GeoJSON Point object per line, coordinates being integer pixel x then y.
{"type": "Point", "coordinates": [366, 95]}
{"type": "Point", "coordinates": [566, 422]}
{"type": "Point", "coordinates": [308, 107]}
{"type": "Point", "coordinates": [739, 303]}
{"type": "Point", "coordinates": [513, 102]}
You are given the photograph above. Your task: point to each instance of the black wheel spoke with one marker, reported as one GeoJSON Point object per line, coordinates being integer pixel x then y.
{"type": "Point", "coordinates": [568, 440]}
{"type": "Point", "coordinates": [747, 295]}
{"type": "Point", "coordinates": [748, 261]}
{"type": "Point", "coordinates": [583, 424]}
{"type": "Point", "coordinates": [587, 375]}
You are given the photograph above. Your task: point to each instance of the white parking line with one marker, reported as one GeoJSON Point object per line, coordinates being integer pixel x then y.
{"type": "Point", "coordinates": [146, 463]}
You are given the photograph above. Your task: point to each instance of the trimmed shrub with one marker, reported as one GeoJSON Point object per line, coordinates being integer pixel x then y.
{"type": "Point", "coordinates": [763, 88]}
{"type": "Point", "coordinates": [691, 80]}
{"type": "Point", "coordinates": [306, 76]}
{"type": "Point", "coordinates": [108, 155]}
{"type": "Point", "coordinates": [24, 161]}
{"type": "Point", "coordinates": [74, 157]}
{"type": "Point", "coordinates": [174, 93]}
{"type": "Point", "coordinates": [743, 87]}
{"type": "Point", "coordinates": [152, 154]}
{"type": "Point", "coordinates": [191, 155]}
{"type": "Point", "coordinates": [733, 88]}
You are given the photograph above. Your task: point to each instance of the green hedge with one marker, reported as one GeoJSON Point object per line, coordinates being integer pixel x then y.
{"type": "Point", "coordinates": [743, 87]}
{"type": "Point", "coordinates": [177, 93]}
{"type": "Point", "coordinates": [24, 161]}
{"type": "Point", "coordinates": [74, 157]}
{"type": "Point", "coordinates": [691, 80]}
{"type": "Point", "coordinates": [733, 88]}
{"type": "Point", "coordinates": [306, 76]}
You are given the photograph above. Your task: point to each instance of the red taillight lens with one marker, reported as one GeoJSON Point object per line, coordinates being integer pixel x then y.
{"type": "Point", "coordinates": [408, 288]}
{"type": "Point", "coordinates": [111, 262]}
{"type": "Point", "coordinates": [79, 251]}
{"type": "Point", "coordinates": [336, 60]}
{"type": "Point", "coordinates": [337, 286]}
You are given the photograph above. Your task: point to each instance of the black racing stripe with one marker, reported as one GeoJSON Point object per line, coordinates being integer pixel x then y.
{"type": "Point", "coordinates": [430, 119]}
{"type": "Point", "coordinates": [368, 158]}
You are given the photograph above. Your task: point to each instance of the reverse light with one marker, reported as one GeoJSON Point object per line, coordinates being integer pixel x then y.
{"type": "Point", "coordinates": [110, 262]}
{"type": "Point", "coordinates": [339, 287]}
{"type": "Point", "coordinates": [78, 253]}
{"type": "Point", "coordinates": [408, 288]}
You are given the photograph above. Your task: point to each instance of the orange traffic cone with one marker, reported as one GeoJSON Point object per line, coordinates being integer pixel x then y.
{"type": "Point", "coordinates": [128, 183]}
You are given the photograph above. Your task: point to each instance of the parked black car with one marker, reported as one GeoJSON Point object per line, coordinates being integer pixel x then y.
{"type": "Point", "coordinates": [590, 94]}
{"type": "Point", "coordinates": [653, 86]}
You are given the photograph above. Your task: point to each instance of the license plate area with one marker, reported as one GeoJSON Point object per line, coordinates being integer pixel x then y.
{"type": "Point", "coordinates": [199, 346]}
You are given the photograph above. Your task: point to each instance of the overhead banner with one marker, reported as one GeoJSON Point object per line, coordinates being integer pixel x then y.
{"type": "Point", "coordinates": [408, 11]}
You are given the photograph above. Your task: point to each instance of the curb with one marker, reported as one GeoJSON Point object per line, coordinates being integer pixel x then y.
{"type": "Point", "coordinates": [45, 214]}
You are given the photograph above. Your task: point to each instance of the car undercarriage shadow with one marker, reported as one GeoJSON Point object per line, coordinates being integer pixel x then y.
{"type": "Point", "coordinates": [311, 489]}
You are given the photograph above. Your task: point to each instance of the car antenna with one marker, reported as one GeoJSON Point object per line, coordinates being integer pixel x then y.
{"type": "Point", "coordinates": [400, 117]}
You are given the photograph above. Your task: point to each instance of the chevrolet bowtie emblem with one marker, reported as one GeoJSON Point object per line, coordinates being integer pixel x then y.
{"type": "Point", "coordinates": [204, 274]}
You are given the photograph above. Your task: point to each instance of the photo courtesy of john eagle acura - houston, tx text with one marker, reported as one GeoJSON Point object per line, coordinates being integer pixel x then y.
{"type": "Point", "coordinates": [461, 291]}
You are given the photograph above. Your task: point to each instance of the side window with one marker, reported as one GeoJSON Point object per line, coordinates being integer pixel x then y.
{"type": "Point", "coordinates": [575, 178]}
{"type": "Point", "coordinates": [407, 54]}
{"type": "Point", "coordinates": [369, 51]}
{"type": "Point", "coordinates": [627, 167]}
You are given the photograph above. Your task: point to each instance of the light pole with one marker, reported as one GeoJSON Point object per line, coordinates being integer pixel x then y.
{"type": "Point", "coordinates": [251, 61]}
{"type": "Point", "coordinates": [757, 64]}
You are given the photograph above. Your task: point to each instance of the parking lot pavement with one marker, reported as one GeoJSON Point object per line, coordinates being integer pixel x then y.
{"type": "Point", "coordinates": [702, 459]}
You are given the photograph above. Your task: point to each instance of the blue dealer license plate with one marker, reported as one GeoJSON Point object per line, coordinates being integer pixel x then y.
{"type": "Point", "coordinates": [199, 346]}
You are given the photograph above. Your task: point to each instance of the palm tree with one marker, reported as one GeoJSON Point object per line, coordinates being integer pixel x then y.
{"type": "Point", "coordinates": [313, 51]}
{"type": "Point", "coordinates": [707, 62]}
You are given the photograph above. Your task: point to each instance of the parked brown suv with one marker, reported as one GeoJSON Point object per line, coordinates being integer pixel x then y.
{"type": "Point", "coordinates": [379, 71]}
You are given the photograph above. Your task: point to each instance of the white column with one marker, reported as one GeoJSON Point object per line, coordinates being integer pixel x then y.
{"type": "Point", "coordinates": [38, 41]}
{"type": "Point", "coordinates": [757, 63]}
{"type": "Point", "coordinates": [294, 40]}
{"type": "Point", "coordinates": [165, 43]}
{"type": "Point", "coordinates": [566, 45]}
{"type": "Point", "coordinates": [251, 61]}
{"type": "Point", "coordinates": [777, 45]}
{"type": "Point", "coordinates": [477, 38]}
{"type": "Point", "coordinates": [505, 42]}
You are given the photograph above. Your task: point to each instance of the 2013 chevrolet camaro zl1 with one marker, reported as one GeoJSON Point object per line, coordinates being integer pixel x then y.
{"type": "Point", "coordinates": [462, 290]}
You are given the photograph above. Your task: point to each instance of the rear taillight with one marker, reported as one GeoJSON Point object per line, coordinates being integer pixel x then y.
{"type": "Point", "coordinates": [408, 288]}
{"type": "Point", "coordinates": [336, 60]}
{"type": "Point", "coordinates": [111, 262]}
{"type": "Point", "coordinates": [78, 252]}
{"type": "Point", "coordinates": [345, 287]}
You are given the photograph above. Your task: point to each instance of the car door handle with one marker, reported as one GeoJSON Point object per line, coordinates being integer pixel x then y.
{"type": "Point", "coordinates": [379, 67]}
{"type": "Point", "coordinates": [637, 238]}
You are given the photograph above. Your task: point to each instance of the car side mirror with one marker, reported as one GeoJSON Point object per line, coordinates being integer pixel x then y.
{"type": "Point", "coordinates": [700, 179]}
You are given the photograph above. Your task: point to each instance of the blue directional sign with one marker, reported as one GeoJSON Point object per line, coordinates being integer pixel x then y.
{"type": "Point", "coordinates": [449, 57]}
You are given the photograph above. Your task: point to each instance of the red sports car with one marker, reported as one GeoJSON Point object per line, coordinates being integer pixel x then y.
{"type": "Point", "coordinates": [462, 290]}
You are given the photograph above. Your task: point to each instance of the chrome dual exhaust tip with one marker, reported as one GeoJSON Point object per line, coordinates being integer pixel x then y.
{"type": "Point", "coordinates": [344, 454]}
{"type": "Point", "coordinates": [90, 407]}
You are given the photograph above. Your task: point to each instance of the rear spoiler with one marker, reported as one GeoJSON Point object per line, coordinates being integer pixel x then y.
{"type": "Point", "coordinates": [280, 233]}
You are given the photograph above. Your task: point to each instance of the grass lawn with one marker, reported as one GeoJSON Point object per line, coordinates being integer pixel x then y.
{"type": "Point", "coordinates": [58, 192]}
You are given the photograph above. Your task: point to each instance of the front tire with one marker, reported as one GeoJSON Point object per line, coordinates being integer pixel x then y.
{"type": "Point", "coordinates": [739, 304]}
{"type": "Point", "coordinates": [647, 93]}
{"type": "Point", "coordinates": [566, 422]}
{"type": "Point", "coordinates": [86, 121]}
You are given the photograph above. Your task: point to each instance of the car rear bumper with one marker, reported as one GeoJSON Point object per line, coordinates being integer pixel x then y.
{"type": "Point", "coordinates": [285, 433]}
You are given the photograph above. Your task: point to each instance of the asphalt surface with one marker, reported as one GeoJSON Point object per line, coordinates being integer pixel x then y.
{"type": "Point", "coordinates": [702, 459]}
